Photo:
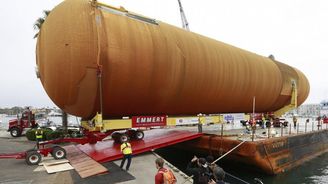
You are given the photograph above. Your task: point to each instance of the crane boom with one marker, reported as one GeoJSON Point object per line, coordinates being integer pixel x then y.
{"type": "Point", "coordinates": [185, 23]}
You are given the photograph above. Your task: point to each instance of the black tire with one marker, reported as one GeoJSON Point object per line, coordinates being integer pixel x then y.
{"type": "Point", "coordinates": [116, 137]}
{"type": "Point", "coordinates": [123, 138]}
{"type": "Point", "coordinates": [33, 157]}
{"type": "Point", "coordinates": [15, 132]}
{"type": "Point", "coordinates": [139, 135]}
{"type": "Point", "coordinates": [58, 152]}
{"type": "Point", "coordinates": [117, 140]}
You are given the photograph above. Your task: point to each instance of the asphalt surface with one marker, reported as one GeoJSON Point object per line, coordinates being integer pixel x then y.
{"type": "Point", "coordinates": [115, 175]}
{"type": "Point", "coordinates": [17, 171]}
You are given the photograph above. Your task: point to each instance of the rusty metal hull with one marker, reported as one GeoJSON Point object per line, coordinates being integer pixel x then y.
{"type": "Point", "coordinates": [152, 69]}
{"type": "Point", "coordinates": [271, 156]}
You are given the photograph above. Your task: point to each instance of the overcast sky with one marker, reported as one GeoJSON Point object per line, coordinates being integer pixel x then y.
{"type": "Point", "coordinates": [294, 31]}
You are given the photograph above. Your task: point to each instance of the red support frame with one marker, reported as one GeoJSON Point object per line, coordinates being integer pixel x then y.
{"type": "Point", "coordinates": [108, 150]}
{"type": "Point", "coordinates": [19, 155]}
{"type": "Point", "coordinates": [90, 137]}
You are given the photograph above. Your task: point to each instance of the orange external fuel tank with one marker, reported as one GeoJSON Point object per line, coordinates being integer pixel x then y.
{"type": "Point", "coordinates": [149, 67]}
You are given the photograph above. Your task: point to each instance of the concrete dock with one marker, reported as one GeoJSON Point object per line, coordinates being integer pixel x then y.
{"type": "Point", "coordinates": [142, 170]}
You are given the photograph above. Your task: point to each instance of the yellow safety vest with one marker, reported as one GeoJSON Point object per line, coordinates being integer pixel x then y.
{"type": "Point", "coordinates": [126, 148]}
{"type": "Point", "coordinates": [38, 134]}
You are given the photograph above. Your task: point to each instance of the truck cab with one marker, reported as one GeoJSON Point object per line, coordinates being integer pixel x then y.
{"type": "Point", "coordinates": [25, 120]}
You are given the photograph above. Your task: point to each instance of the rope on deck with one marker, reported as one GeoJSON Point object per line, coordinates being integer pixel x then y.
{"type": "Point", "coordinates": [229, 152]}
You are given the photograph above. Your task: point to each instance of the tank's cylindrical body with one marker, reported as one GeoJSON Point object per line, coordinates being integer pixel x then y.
{"type": "Point", "coordinates": [150, 69]}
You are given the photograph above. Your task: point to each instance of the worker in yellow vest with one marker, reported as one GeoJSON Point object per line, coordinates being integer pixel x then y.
{"type": "Point", "coordinates": [38, 136]}
{"type": "Point", "coordinates": [127, 154]}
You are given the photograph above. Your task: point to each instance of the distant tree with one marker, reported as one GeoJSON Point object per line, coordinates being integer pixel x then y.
{"type": "Point", "coordinates": [11, 111]}
{"type": "Point", "coordinates": [17, 110]}
{"type": "Point", "coordinates": [4, 111]}
{"type": "Point", "coordinates": [39, 22]}
{"type": "Point", "coordinates": [271, 57]}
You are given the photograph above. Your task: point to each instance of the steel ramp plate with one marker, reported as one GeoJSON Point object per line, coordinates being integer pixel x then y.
{"type": "Point", "coordinates": [83, 164]}
{"type": "Point", "coordinates": [105, 151]}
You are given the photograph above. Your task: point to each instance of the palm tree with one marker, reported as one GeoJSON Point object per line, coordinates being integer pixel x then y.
{"type": "Point", "coordinates": [65, 121]}
{"type": "Point", "coordinates": [38, 23]}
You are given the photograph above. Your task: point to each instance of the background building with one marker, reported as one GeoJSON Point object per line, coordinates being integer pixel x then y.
{"type": "Point", "coordinates": [306, 110]}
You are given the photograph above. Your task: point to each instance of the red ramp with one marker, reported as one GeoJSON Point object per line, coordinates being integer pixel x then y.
{"type": "Point", "coordinates": [107, 150]}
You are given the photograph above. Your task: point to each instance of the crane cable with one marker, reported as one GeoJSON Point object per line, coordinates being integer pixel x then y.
{"type": "Point", "coordinates": [99, 66]}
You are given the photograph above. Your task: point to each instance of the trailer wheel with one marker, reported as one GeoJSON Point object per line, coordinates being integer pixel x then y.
{"type": "Point", "coordinates": [124, 138]}
{"type": "Point", "coordinates": [33, 157]}
{"type": "Point", "coordinates": [139, 135]}
{"type": "Point", "coordinates": [116, 137]}
{"type": "Point", "coordinates": [15, 132]}
{"type": "Point", "coordinates": [58, 152]}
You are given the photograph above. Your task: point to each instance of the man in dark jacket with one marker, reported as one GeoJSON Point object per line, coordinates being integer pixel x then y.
{"type": "Point", "coordinates": [219, 175]}
{"type": "Point", "coordinates": [213, 167]}
{"type": "Point", "coordinates": [199, 170]}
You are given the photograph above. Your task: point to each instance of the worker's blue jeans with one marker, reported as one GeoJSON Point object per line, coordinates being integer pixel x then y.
{"type": "Point", "coordinates": [129, 157]}
{"type": "Point", "coordinates": [38, 140]}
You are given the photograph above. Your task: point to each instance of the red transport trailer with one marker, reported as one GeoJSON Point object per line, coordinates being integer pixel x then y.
{"type": "Point", "coordinates": [33, 156]}
{"type": "Point", "coordinates": [91, 136]}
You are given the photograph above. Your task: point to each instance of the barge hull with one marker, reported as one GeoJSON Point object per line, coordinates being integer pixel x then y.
{"type": "Point", "coordinates": [270, 156]}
